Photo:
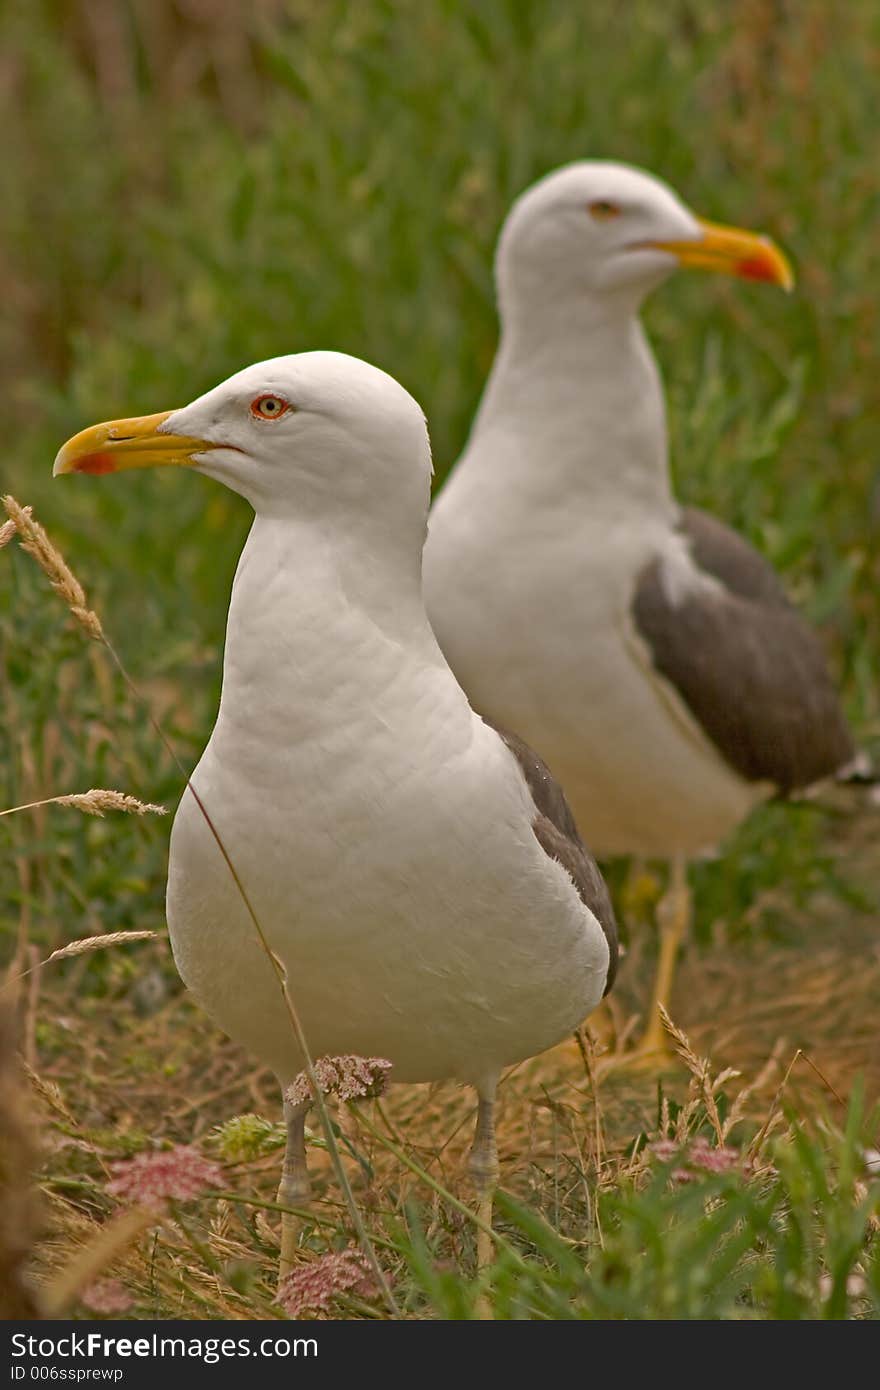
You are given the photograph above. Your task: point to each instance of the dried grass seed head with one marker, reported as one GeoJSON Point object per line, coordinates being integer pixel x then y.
{"type": "Point", "coordinates": [35, 541]}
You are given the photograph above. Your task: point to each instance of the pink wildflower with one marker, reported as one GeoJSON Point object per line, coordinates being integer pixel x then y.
{"type": "Point", "coordinates": [151, 1178]}
{"type": "Point", "coordinates": [720, 1160]}
{"type": "Point", "coordinates": [348, 1077]}
{"type": "Point", "coordinates": [682, 1175]}
{"type": "Point", "coordinates": [106, 1296]}
{"type": "Point", "coordinates": [699, 1154]}
{"type": "Point", "coordinates": [665, 1149]}
{"type": "Point", "coordinates": [312, 1288]}
{"type": "Point", "coordinates": [856, 1285]}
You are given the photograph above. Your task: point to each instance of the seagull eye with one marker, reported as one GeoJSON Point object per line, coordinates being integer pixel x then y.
{"type": "Point", "coordinates": [269, 407]}
{"type": "Point", "coordinates": [603, 210]}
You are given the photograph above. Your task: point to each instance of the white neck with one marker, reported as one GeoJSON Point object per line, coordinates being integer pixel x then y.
{"type": "Point", "coordinates": [318, 633]}
{"type": "Point", "coordinates": [573, 409]}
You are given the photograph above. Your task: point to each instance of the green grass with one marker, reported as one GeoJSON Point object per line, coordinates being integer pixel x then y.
{"type": "Point", "coordinates": [172, 209]}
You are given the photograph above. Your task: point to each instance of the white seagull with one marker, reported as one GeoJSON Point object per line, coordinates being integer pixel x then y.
{"type": "Point", "coordinates": [417, 873]}
{"type": "Point", "coordinates": [645, 650]}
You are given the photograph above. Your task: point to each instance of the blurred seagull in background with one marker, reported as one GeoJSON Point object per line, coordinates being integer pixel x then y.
{"type": "Point", "coordinates": [417, 873]}
{"type": "Point", "coordinates": [644, 649]}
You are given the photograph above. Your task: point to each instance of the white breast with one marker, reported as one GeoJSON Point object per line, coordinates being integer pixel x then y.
{"type": "Point", "coordinates": [384, 836]}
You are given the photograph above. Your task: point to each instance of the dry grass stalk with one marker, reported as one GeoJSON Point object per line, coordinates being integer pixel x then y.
{"type": "Point", "coordinates": [586, 1044]}
{"type": "Point", "coordinates": [823, 1078]}
{"type": "Point", "coordinates": [97, 943]}
{"type": "Point", "coordinates": [10, 528]}
{"type": "Point", "coordinates": [18, 1215]}
{"type": "Point", "coordinates": [99, 800]}
{"type": "Point", "coordinates": [74, 948]}
{"type": "Point", "coordinates": [31, 1006]}
{"type": "Point", "coordinates": [739, 1104]}
{"type": "Point", "coordinates": [700, 1069]}
{"type": "Point", "coordinates": [50, 1093]}
{"type": "Point", "coordinates": [95, 802]}
{"type": "Point", "coordinates": [34, 540]}
{"type": "Point", "coordinates": [774, 1116]}
{"type": "Point", "coordinates": [702, 1100]}
{"type": "Point", "coordinates": [498, 1240]}
{"type": "Point", "coordinates": [94, 1258]}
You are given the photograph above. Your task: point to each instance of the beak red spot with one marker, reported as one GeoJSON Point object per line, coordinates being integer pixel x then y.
{"type": "Point", "coordinates": [757, 268]}
{"type": "Point", "coordinates": [95, 463]}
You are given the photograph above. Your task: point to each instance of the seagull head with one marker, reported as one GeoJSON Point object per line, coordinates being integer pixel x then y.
{"type": "Point", "coordinates": [602, 229]}
{"type": "Point", "coordinates": [317, 434]}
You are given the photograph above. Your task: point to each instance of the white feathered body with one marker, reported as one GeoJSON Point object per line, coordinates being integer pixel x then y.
{"type": "Point", "coordinates": [535, 546]}
{"type": "Point", "coordinates": [383, 834]}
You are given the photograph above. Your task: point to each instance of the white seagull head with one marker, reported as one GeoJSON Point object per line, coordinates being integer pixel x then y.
{"type": "Point", "coordinates": [601, 229]}
{"type": "Point", "coordinates": [316, 434]}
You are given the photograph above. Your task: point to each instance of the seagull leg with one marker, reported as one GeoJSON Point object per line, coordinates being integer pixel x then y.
{"type": "Point", "coordinates": [295, 1189]}
{"type": "Point", "coordinates": [673, 920]}
{"type": "Point", "coordinates": [485, 1173]}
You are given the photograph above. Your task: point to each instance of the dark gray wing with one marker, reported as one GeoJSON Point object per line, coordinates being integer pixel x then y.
{"type": "Point", "coordinates": [747, 666]}
{"type": "Point", "coordinates": [557, 834]}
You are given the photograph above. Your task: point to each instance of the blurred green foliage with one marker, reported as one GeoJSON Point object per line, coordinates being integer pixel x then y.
{"type": "Point", "coordinates": [799, 1244]}
{"type": "Point", "coordinates": [192, 188]}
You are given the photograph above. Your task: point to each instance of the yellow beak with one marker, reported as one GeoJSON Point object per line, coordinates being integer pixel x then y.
{"type": "Point", "coordinates": [119, 444]}
{"type": "Point", "coordinates": [733, 252]}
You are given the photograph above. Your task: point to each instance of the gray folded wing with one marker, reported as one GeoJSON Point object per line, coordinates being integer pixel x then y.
{"type": "Point", "coordinates": [555, 830]}
{"type": "Point", "coordinates": [747, 666]}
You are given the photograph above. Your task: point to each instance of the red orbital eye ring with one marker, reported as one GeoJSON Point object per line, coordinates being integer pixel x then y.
{"type": "Point", "coordinates": [269, 407]}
